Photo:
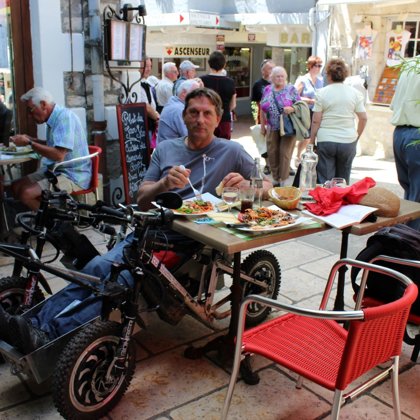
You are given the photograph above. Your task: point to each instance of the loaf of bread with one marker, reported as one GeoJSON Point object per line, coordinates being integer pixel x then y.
{"type": "Point", "coordinates": [387, 203]}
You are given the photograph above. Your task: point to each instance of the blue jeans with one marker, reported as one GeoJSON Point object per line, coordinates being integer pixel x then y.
{"type": "Point", "coordinates": [407, 162]}
{"type": "Point", "coordinates": [75, 305]}
{"type": "Point", "coordinates": [335, 160]}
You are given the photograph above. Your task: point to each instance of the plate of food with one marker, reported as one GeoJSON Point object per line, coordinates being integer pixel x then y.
{"type": "Point", "coordinates": [194, 207]}
{"type": "Point", "coordinates": [16, 150]}
{"type": "Point", "coordinates": [266, 219]}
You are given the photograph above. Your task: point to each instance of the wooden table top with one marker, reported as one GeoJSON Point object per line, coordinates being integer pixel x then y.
{"type": "Point", "coordinates": [226, 242]}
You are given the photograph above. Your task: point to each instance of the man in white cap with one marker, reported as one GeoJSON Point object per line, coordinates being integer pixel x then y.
{"type": "Point", "coordinates": [186, 71]}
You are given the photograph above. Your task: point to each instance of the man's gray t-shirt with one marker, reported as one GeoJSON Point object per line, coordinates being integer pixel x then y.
{"type": "Point", "coordinates": [208, 166]}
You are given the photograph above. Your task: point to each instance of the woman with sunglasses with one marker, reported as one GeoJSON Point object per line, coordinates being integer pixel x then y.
{"type": "Point", "coordinates": [307, 85]}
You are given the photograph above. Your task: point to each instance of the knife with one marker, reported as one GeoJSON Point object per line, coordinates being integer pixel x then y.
{"type": "Point", "coordinates": [237, 225]}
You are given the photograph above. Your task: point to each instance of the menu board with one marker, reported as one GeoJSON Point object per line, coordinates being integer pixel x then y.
{"type": "Point", "coordinates": [134, 146]}
{"type": "Point", "coordinates": [126, 41]}
{"type": "Point", "coordinates": [386, 86]}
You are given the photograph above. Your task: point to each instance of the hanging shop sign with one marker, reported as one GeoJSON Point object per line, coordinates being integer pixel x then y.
{"type": "Point", "coordinates": [205, 20]}
{"type": "Point", "coordinates": [289, 38]}
{"type": "Point", "coordinates": [187, 51]}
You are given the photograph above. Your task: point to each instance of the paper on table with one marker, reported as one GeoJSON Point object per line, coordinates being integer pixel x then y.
{"type": "Point", "coordinates": [347, 215]}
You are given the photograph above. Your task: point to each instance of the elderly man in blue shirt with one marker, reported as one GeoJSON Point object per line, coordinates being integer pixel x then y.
{"type": "Point", "coordinates": [171, 123]}
{"type": "Point", "coordinates": [66, 140]}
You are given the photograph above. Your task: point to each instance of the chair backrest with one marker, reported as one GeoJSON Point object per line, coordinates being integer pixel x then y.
{"type": "Point", "coordinates": [375, 339]}
{"type": "Point", "coordinates": [95, 166]}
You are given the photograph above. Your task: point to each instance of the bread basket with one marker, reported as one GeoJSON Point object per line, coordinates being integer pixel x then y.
{"type": "Point", "coordinates": [286, 198]}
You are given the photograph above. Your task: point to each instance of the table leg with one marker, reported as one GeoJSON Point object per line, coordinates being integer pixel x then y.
{"type": "Point", "coordinates": [339, 298]}
{"type": "Point", "coordinates": [225, 344]}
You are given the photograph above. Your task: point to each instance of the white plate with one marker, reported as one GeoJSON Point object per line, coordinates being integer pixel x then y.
{"type": "Point", "coordinates": [272, 229]}
{"type": "Point", "coordinates": [19, 151]}
{"type": "Point", "coordinates": [178, 213]}
{"type": "Point", "coordinates": [206, 197]}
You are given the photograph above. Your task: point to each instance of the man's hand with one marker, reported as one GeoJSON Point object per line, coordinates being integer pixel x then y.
{"type": "Point", "coordinates": [21, 140]}
{"type": "Point", "coordinates": [177, 178]}
{"type": "Point", "coordinates": [233, 179]}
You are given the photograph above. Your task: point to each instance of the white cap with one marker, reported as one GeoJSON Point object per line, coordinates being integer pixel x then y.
{"type": "Point", "coordinates": [187, 65]}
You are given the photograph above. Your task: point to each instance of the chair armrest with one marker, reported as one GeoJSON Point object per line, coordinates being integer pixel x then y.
{"type": "Point", "coordinates": [78, 159]}
{"type": "Point", "coordinates": [395, 260]}
{"type": "Point", "coordinates": [311, 313]}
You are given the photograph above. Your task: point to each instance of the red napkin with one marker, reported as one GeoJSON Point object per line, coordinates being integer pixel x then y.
{"type": "Point", "coordinates": [329, 200]}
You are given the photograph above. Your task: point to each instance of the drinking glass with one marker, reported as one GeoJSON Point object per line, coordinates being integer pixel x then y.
{"type": "Point", "coordinates": [338, 182]}
{"type": "Point", "coordinates": [246, 196]}
{"type": "Point", "coordinates": [229, 196]}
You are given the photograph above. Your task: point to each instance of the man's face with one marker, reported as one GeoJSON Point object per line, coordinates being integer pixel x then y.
{"type": "Point", "coordinates": [172, 73]}
{"type": "Point", "coordinates": [266, 70]}
{"type": "Point", "coordinates": [201, 119]}
{"type": "Point", "coordinates": [38, 113]}
{"type": "Point", "coordinates": [191, 73]}
{"type": "Point", "coordinates": [147, 69]}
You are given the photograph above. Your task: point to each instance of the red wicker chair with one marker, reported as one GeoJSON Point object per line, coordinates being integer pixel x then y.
{"type": "Point", "coordinates": [94, 152]}
{"type": "Point", "coordinates": [312, 344]}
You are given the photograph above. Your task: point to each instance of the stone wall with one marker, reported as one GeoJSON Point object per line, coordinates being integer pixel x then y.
{"type": "Point", "coordinates": [377, 137]}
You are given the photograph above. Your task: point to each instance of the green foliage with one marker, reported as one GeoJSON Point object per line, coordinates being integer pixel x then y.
{"type": "Point", "coordinates": [254, 110]}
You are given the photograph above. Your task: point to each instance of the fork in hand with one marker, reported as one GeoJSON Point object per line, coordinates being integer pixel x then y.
{"type": "Point", "coordinates": [196, 192]}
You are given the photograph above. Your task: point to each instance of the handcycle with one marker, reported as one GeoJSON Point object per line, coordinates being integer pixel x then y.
{"type": "Point", "coordinates": [92, 365]}
{"type": "Point", "coordinates": [55, 222]}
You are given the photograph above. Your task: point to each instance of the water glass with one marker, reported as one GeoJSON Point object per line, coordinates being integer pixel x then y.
{"type": "Point", "coordinates": [229, 196]}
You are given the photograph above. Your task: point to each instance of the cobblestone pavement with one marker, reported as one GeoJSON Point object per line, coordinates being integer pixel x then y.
{"type": "Point", "coordinates": [168, 386]}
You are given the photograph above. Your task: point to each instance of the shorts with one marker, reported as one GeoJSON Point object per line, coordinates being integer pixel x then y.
{"type": "Point", "coordinates": [63, 183]}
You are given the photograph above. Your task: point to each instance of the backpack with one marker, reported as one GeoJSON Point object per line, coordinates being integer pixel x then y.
{"type": "Point", "coordinates": [398, 241]}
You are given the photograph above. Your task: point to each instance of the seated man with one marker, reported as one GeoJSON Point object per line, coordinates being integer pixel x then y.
{"type": "Point", "coordinates": [208, 161]}
{"type": "Point", "coordinates": [66, 140]}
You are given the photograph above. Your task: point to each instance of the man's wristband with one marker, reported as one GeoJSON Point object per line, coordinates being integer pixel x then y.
{"type": "Point", "coordinates": [30, 142]}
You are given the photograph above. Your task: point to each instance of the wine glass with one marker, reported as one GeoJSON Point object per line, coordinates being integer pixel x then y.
{"type": "Point", "coordinates": [229, 196]}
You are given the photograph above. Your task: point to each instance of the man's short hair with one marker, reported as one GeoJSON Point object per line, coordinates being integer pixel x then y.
{"type": "Point", "coordinates": [37, 94]}
{"type": "Point", "coordinates": [217, 60]}
{"type": "Point", "coordinates": [167, 67]}
{"type": "Point", "coordinates": [187, 86]}
{"type": "Point", "coordinates": [264, 62]}
{"type": "Point", "coordinates": [210, 94]}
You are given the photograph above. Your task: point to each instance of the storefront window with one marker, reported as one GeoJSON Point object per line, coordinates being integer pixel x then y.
{"type": "Point", "coordinates": [238, 61]}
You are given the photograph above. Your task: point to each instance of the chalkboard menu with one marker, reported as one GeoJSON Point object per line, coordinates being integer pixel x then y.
{"type": "Point", "coordinates": [134, 146]}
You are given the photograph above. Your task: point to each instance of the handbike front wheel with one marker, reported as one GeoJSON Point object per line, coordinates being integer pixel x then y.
{"type": "Point", "coordinates": [263, 266]}
{"type": "Point", "coordinates": [85, 384]}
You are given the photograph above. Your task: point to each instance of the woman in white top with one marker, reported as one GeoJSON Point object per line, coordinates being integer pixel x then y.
{"type": "Point", "coordinates": [333, 123]}
{"type": "Point", "coordinates": [307, 85]}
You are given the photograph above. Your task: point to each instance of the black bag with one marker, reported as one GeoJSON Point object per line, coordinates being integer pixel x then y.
{"type": "Point", "coordinates": [398, 241]}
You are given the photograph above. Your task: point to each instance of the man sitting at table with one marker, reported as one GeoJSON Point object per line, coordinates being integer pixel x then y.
{"type": "Point", "coordinates": [208, 161]}
{"type": "Point", "coordinates": [66, 140]}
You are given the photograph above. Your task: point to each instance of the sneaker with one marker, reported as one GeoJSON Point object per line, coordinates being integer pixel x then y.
{"type": "Point", "coordinates": [266, 170]}
{"type": "Point", "coordinates": [28, 338]}
{"type": "Point", "coordinates": [292, 172]}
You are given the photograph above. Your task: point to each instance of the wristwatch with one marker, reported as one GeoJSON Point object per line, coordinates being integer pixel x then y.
{"type": "Point", "coordinates": [30, 142]}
